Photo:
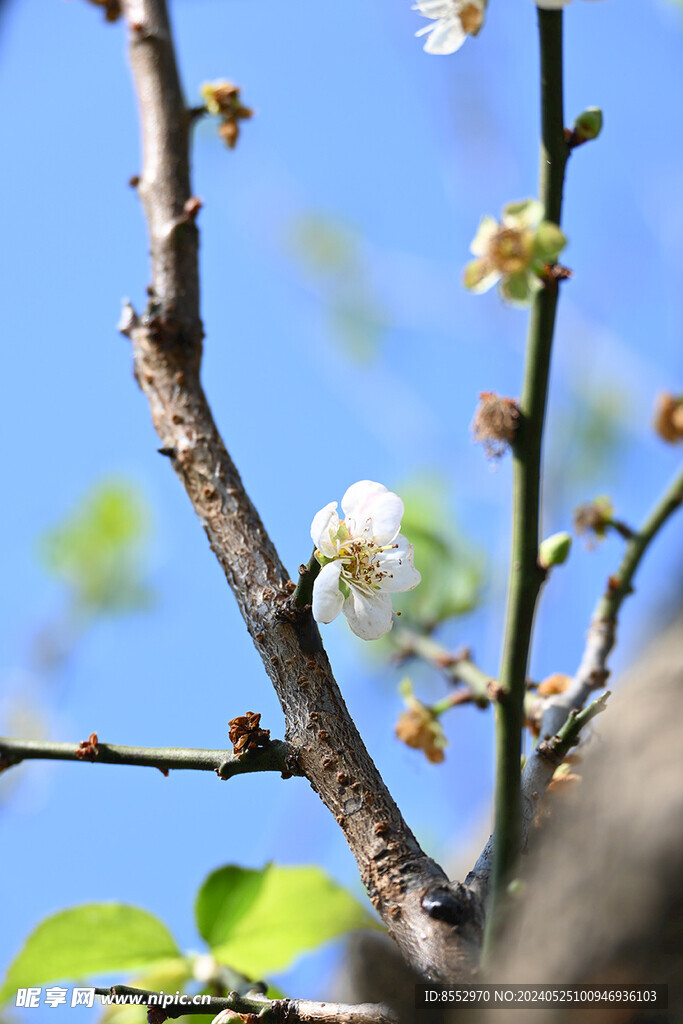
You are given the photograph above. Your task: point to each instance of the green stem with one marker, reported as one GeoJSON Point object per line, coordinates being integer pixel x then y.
{"type": "Point", "coordinates": [526, 577]}
{"type": "Point", "coordinates": [276, 756]}
{"type": "Point", "coordinates": [458, 667]}
{"type": "Point", "coordinates": [620, 583]}
{"type": "Point", "coordinates": [303, 595]}
{"type": "Point", "coordinates": [557, 747]}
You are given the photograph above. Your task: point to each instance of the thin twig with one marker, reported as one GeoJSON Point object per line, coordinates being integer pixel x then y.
{"type": "Point", "coordinates": [270, 1011]}
{"type": "Point", "coordinates": [458, 667]}
{"type": "Point", "coordinates": [275, 757]}
{"type": "Point", "coordinates": [602, 634]}
{"type": "Point", "coordinates": [556, 748]}
{"type": "Point", "coordinates": [526, 576]}
{"type": "Point", "coordinates": [167, 341]}
{"type": "Point", "coordinates": [591, 675]}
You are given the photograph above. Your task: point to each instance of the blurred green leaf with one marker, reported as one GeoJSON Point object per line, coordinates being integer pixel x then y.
{"type": "Point", "coordinates": [334, 258]}
{"type": "Point", "coordinates": [97, 938]}
{"type": "Point", "coordinates": [166, 975]}
{"type": "Point", "coordinates": [259, 922]}
{"type": "Point", "coordinates": [97, 550]}
{"type": "Point", "coordinates": [452, 572]}
{"type": "Point", "coordinates": [585, 441]}
{"type": "Point", "coordinates": [323, 245]}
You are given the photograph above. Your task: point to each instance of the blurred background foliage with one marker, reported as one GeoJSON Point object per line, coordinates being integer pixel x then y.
{"type": "Point", "coordinates": [336, 264]}
{"type": "Point", "coordinates": [452, 569]}
{"type": "Point", "coordinates": [98, 550]}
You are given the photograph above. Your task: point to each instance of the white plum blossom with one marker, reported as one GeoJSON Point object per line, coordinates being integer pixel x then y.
{"type": "Point", "coordinates": [364, 559]}
{"type": "Point", "coordinates": [551, 5]}
{"type": "Point", "coordinates": [454, 21]}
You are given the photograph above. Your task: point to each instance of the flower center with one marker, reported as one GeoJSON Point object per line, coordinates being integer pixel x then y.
{"type": "Point", "coordinates": [362, 564]}
{"type": "Point", "coordinates": [510, 250]}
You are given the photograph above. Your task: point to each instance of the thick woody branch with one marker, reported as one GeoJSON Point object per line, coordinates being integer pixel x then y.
{"type": "Point", "coordinates": [270, 1011]}
{"type": "Point", "coordinates": [276, 756]}
{"type": "Point", "coordinates": [167, 351]}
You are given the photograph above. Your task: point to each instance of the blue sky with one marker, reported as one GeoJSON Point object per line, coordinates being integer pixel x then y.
{"type": "Point", "coordinates": [354, 124]}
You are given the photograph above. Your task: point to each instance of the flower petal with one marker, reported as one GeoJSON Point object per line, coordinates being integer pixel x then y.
{"type": "Point", "coordinates": [517, 289]}
{"type": "Point", "coordinates": [524, 213]}
{"type": "Point", "coordinates": [386, 512]}
{"type": "Point", "coordinates": [370, 617]}
{"type": "Point", "coordinates": [327, 597]}
{"type": "Point", "coordinates": [398, 564]}
{"type": "Point", "coordinates": [488, 227]}
{"type": "Point", "coordinates": [479, 276]}
{"type": "Point", "coordinates": [434, 8]}
{"type": "Point", "coordinates": [372, 510]}
{"type": "Point", "coordinates": [324, 526]}
{"type": "Point", "coordinates": [447, 36]}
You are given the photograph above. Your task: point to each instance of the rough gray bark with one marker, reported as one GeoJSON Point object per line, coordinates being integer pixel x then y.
{"type": "Point", "coordinates": [411, 893]}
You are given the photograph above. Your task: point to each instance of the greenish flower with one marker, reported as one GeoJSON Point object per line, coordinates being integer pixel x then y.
{"type": "Point", "coordinates": [514, 252]}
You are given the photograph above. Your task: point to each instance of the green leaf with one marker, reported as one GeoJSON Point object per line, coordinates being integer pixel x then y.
{"type": "Point", "coordinates": [165, 975]}
{"type": "Point", "coordinates": [258, 922]}
{"type": "Point", "coordinates": [97, 938]}
{"type": "Point", "coordinates": [96, 550]}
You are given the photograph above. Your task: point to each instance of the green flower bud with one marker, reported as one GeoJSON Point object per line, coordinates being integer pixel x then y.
{"type": "Point", "coordinates": [587, 126]}
{"type": "Point", "coordinates": [549, 241]}
{"type": "Point", "coordinates": [554, 550]}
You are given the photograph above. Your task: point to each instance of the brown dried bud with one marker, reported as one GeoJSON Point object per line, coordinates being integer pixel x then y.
{"type": "Point", "coordinates": [471, 18]}
{"type": "Point", "coordinates": [224, 96]}
{"type": "Point", "coordinates": [112, 8]}
{"type": "Point", "coordinates": [223, 99]}
{"type": "Point", "coordinates": [419, 728]}
{"type": "Point", "coordinates": [668, 419]}
{"type": "Point", "coordinates": [556, 683]}
{"type": "Point", "coordinates": [88, 749]}
{"type": "Point", "coordinates": [246, 734]}
{"type": "Point", "coordinates": [495, 423]}
{"type": "Point", "coordinates": [229, 131]}
{"type": "Point", "coordinates": [594, 517]}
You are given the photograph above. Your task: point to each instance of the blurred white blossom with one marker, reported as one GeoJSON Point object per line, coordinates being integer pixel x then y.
{"type": "Point", "coordinates": [454, 21]}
